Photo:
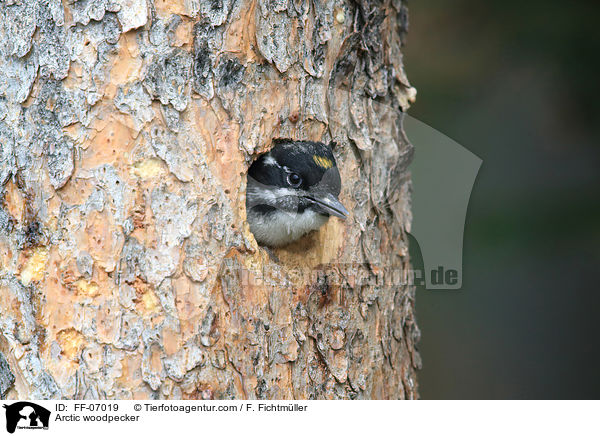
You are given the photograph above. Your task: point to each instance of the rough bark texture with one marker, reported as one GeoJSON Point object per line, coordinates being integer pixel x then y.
{"type": "Point", "coordinates": [128, 270]}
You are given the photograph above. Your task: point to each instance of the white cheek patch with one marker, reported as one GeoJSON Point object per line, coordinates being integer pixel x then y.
{"type": "Point", "coordinates": [267, 194]}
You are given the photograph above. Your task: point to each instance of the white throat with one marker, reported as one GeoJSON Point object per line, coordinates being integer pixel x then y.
{"type": "Point", "coordinates": [280, 227]}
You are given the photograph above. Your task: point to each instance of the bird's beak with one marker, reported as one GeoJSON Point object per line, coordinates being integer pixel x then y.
{"type": "Point", "coordinates": [330, 204]}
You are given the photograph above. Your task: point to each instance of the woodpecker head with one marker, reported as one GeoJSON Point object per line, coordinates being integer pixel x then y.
{"type": "Point", "coordinates": [292, 190]}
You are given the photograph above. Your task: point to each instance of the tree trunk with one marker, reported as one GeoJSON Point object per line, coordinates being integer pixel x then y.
{"type": "Point", "coordinates": [128, 270]}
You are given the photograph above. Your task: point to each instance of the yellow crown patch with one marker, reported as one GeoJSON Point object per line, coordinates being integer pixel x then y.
{"type": "Point", "coordinates": [323, 162]}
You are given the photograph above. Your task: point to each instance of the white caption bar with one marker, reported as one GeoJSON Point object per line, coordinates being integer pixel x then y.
{"type": "Point", "coordinates": [301, 417]}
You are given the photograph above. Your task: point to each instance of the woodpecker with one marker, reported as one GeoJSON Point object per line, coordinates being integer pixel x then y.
{"type": "Point", "coordinates": [291, 190]}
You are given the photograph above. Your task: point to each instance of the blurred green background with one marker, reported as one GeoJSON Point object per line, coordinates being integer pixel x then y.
{"type": "Point", "coordinates": [517, 83]}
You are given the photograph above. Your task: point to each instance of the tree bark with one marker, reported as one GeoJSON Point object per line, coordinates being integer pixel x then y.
{"type": "Point", "coordinates": [128, 270]}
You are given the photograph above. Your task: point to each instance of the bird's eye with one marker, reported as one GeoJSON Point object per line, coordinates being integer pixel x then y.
{"type": "Point", "coordinates": [294, 180]}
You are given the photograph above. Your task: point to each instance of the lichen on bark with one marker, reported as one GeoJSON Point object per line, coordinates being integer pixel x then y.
{"type": "Point", "coordinates": [127, 267]}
